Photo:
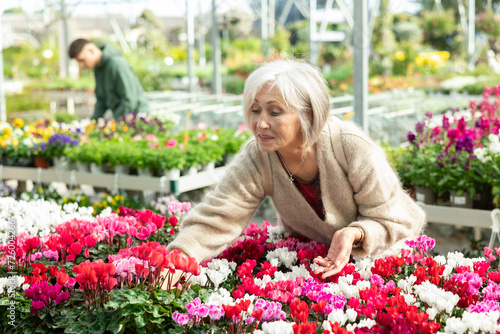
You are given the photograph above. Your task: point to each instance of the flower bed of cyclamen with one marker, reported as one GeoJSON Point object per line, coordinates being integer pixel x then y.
{"type": "Point", "coordinates": [103, 275]}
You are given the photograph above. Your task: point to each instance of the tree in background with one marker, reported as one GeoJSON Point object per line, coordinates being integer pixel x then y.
{"type": "Point", "coordinates": [489, 23]}
{"type": "Point", "coordinates": [441, 31]}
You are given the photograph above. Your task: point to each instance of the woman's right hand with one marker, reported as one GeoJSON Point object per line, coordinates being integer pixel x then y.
{"type": "Point", "coordinates": [339, 252]}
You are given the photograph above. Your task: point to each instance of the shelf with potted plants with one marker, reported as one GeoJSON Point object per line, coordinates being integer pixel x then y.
{"type": "Point", "coordinates": [456, 155]}
{"type": "Point", "coordinates": [108, 144]}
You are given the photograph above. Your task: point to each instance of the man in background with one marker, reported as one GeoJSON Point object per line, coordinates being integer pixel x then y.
{"type": "Point", "coordinates": [117, 87]}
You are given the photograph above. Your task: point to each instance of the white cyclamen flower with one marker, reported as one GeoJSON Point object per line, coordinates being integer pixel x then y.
{"type": "Point", "coordinates": [441, 300]}
{"type": "Point", "coordinates": [277, 327]}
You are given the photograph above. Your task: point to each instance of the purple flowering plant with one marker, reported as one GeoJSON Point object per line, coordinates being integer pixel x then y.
{"type": "Point", "coordinates": [55, 145]}
{"type": "Point", "coordinates": [442, 151]}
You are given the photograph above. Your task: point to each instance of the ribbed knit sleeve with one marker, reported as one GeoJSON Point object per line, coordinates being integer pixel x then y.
{"type": "Point", "coordinates": [386, 213]}
{"type": "Point", "coordinates": [222, 215]}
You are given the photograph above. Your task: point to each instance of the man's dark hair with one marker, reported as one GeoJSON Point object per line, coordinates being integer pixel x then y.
{"type": "Point", "coordinates": [76, 47]}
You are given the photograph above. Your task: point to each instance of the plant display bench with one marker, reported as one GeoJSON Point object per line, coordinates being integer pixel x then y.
{"type": "Point", "coordinates": [477, 219]}
{"type": "Point", "coordinates": [115, 181]}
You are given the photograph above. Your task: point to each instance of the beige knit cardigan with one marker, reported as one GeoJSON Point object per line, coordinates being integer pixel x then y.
{"type": "Point", "coordinates": [369, 196]}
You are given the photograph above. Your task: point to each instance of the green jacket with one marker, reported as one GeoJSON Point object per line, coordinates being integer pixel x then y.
{"type": "Point", "coordinates": [117, 87]}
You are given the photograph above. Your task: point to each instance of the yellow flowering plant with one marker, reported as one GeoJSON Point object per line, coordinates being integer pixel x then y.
{"type": "Point", "coordinates": [16, 145]}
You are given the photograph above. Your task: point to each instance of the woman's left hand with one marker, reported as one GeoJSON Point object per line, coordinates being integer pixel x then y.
{"type": "Point", "coordinates": [339, 252]}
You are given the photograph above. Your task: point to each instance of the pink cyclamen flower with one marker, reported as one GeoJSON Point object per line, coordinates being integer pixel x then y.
{"type": "Point", "coordinates": [51, 254]}
{"type": "Point", "coordinates": [484, 307]}
{"type": "Point", "coordinates": [193, 306]}
{"type": "Point", "coordinates": [377, 280]}
{"type": "Point", "coordinates": [215, 312]}
{"type": "Point", "coordinates": [180, 318]}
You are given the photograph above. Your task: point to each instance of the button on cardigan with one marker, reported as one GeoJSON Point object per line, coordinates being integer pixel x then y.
{"type": "Point", "coordinates": [368, 196]}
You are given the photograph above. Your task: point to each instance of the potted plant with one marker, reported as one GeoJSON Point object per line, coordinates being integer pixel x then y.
{"type": "Point", "coordinates": [172, 160]}
{"type": "Point", "coordinates": [94, 154]}
{"type": "Point", "coordinates": [118, 154]}
{"type": "Point", "coordinates": [54, 147]}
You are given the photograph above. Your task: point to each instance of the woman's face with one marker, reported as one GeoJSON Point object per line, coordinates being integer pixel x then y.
{"type": "Point", "coordinates": [274, 126]}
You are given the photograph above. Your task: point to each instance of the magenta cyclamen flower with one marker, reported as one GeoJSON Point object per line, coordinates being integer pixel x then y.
{"type": "Point", "coordinates": [474, 280]}
{"type": "Point", "coordinates": [193, 306]}
{"type": "Point", "coordinates": [411, 243]}
{"type": "Point", "coordinates": [180, 318]}
{"type": "Point", "coordinates": [36, 306]}
{"type": "Point", "coordinates": [424, 243]}
{"type": "Point", "coordinates": [491, 291]}
{"type": "Point", "coordinates": [62, 297]}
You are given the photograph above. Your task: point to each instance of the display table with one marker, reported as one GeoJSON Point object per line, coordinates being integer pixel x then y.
{"type": "Point", "coordinates": [114, 181]}
{"type": "Point", "coordinates": [477, 219]}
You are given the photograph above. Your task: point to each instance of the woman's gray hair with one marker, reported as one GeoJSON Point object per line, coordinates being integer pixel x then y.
{"type": "Point", "coordinates": [302, 87]}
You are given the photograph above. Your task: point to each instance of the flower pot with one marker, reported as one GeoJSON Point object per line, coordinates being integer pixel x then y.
{"type": "Point", "coordinates": [61, 163]}
{"type": "Point", "coordinates": [172, 174]}
{"type": "Point", "coordinates": [193, 170]}
{"type": "Point", "coordinates": [82, 167]}
{"type": "Point", "coordinates": [482, 199]}
{"type": "Point", "coordinates": [210, 167]}
{"type": "Point", "coordinates": [425, 195]}
{"type": "Point", "coordinates": [462, 201]}
{"type": "Point", "coordinates": [144, 171]}
{"type": "Point", "coordinates": [122, 169]}
{"type": "Point", "coordinates": [42, 162]}
{"type": "Point", "coordinates": [443, 199]}
{"type": "Point", "coordinates": [21, 162]}
{"type": "Point", "coordinates": [96, 169]}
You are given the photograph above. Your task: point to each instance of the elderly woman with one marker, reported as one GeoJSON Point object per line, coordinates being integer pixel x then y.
{"type": "Point", "coordinates": [353, 201]}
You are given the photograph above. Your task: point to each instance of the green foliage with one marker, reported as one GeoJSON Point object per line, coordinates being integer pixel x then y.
{"type": "Point", "coordinates": [400, 65]}
{"type": "Point", "coordinates": [242, 70]}
{"type": "Point", "coordinates": [233, 84]}
{"type": "Point", "coordinates": [26, 101]}
{"type": "Point", "coordinates": [420, 168]}
{"type": "Point", "coordinates": [62, 117]}
{"type": "Point", "coordinates": [478, 87]}
{"type": "Point", "coordinates": [281, 41]}
{"type": "Point", "coordinates": [408, 31]}
{"type": "Point", "coordinates": [89, 152]}
{"type": "Point", "coordinates": [441, 31]}
{"type": "Point", "coordinates": [489, 23]}
{"type": "Point", "coordinates": [84, 82]}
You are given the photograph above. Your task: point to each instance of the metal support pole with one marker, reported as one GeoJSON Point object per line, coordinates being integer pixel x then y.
{"type": "Point", "coordinates": [272, 19]}
{"type": "Point", "coordinates": [313, 52]}
{"type": "Point", "coordinates": [216, 57]}
{"type": "Point", "coordinates": [264, 26]}
{"type": "Point", "coordinates": [361, 44]}
{"type": "Point", "coordinates": [190, 42]}
{"type": "Point", "coordinates": [471, 35]}
{"type": "Point", "coordinates": [3, 108]}
{"type": "Point", "coordinates": [63, 53]}
{"type": "Point", "coordinates": [202, 30]}
{"type": "Point", "coordinates": [119, 34]}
